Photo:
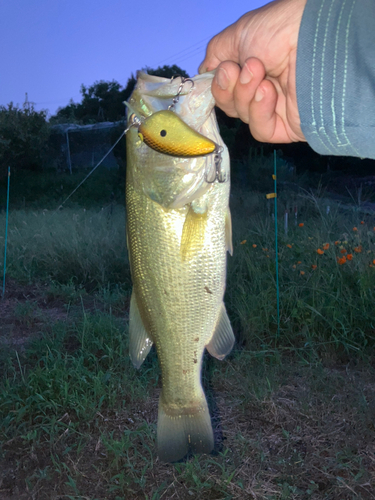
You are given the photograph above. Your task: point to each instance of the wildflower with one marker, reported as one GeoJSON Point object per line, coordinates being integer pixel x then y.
{"type": "Point", "coordinates": [243, 242]}
{"type": "Point", "coordinates": [314, 266]}
{"type": "Point", "coordinates": [337, 242]}
{"type": "Point", "coordinates": [254, 245]}
{"type": "Point", "coordinates": [289, 245]}
{"type": "Point", "coordinates": [349, 256]}
{"type": "Point", "coordinates": [294, 266]}
{"type": "Point", "coordinates": [341, 260]}
{"type": "Point", "coordinates": [320, 251]}
{"type": "Point", "coordinates": [301, 224]}
{"type": "Point", "coordinates": [373, 262]}
{"type": "Point", "coordinates": [325, 246]}
{"type": "Point", "coordinates": [265, 249]}
{"type": "Point", "coordinates": [268, 256]}
{"type": "Point", "coordinates": [355, 229]}
{"type": "Point", "coordinates": [302, 273]}
{"type": "Point", "coordinates": [343, 250]}
{"type": "Point", "coordinates": [299, 262]}
{"type": "Point", "coordinates": [362, 221]}
{"type": "Point", "coordinates": [358, 249]}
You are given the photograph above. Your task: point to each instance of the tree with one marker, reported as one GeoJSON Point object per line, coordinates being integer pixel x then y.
{"type": "Point", "coordinates": [103, 100]}
{"type": "Point", "coordinates": [23, 136]}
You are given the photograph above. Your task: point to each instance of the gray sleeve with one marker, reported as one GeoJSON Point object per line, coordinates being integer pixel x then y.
{"type": "Point", "coordinates": [336, 77]}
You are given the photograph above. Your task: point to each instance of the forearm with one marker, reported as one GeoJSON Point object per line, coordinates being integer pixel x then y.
{"type": "Point", "coordinates": [336, 76]}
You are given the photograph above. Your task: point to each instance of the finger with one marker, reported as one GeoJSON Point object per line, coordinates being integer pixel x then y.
{"type": "Point", "coordinates": [223, 85]}
{"type": "Point", "coordinates": [265, 123]}
{"type": "Point", "coordinates": [251, 75]}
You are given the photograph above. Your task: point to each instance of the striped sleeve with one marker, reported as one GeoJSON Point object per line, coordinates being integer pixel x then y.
{"type": "Point", "coordinates": [336, 77]}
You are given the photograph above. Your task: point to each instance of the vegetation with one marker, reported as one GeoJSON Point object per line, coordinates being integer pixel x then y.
{"type": "Point", "coordinates": [103, 101]}
{"type": "Point", "coordinates": [292, 409]}
{"type": "Point", "coordinates": [23, 137]}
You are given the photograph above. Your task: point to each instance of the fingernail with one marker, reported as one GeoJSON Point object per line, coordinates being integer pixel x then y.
{"type": "Point", "coordinates": [222, 79]}
{"type": "Point", "coordinates": [245, 75]}
{"type": "Point", "coordinates": [202, 69]}
{"type": "Point", "coordinates": [259, 94]}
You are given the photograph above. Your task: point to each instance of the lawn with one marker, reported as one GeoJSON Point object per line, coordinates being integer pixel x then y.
{"type": "Point", "coordinates": [292, 406]}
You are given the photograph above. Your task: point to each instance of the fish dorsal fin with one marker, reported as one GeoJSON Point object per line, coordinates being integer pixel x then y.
{"type": "Point", "coordinates": [222, 340]}
{"type": "Point", "coordinates": [228, 232]}
{"type": "Point", "coordinates": [139, 340]}
{"type": "Point", "coordinates": [193, 233]}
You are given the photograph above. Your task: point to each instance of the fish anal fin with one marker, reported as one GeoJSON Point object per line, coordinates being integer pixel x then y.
{"type": "Point", "coordinates": [139, 340]}
{"type": "Point", "coordinates": [228, 232]}
{"type": "Point", "coordinates": [182, 430]}
{"type": "Point", "coordinates": [222, 340]}
{"type": "Point", "coordinates": [193, 233]}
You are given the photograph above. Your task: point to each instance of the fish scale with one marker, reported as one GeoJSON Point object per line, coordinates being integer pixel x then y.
{"type": "Point", "coordinates": [177, 254]}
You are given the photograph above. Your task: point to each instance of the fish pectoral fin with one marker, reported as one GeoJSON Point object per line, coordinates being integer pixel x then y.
{"type": "Point", "coordinates": [228, 232]}
{"type": "Point", "coordinates": [222, 340]}
{"type": "Point", "coordinates": [139, 340]}
{"type": "Point", "coordinates": [193, 233]}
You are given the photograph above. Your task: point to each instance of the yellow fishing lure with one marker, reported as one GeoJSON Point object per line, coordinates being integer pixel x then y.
{"type": "Point", "coordinates": [165, 132]}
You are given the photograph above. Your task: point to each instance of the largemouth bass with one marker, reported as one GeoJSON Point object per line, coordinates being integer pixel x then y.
{"type": "Point", "coordinates": [178, 233]}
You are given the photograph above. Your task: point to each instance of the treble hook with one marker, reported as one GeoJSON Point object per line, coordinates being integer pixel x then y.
{"type": "Point", "coordinates": [179, 90]}
{"type": "Point", "coordinates": [219, 174]}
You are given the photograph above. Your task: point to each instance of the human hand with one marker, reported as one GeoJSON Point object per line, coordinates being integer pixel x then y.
{"type": "Point", "coordinates": [256, 70]}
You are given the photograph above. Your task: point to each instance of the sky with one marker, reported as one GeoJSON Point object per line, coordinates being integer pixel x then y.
{"type": "Point", "coordinates": [49, 48]}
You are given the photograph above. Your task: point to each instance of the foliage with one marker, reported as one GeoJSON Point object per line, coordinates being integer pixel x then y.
{"type": "Point", "coordinates": [103, 100]}
{"type": "Point", "coordinates": [23, 137]}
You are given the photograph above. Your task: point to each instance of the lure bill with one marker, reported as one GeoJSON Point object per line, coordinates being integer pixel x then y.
{"type": "Point", "coordinates": [178, 234]}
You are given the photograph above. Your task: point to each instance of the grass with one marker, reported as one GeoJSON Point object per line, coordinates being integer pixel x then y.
{"type": "Point", "coordinates": [292, 413]}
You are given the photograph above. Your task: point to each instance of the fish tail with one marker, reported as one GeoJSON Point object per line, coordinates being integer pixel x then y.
{"type": "Point", "coordinates": [182, 431]}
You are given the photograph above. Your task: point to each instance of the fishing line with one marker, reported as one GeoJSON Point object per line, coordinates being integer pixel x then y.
{"type": "Point", "coordinates": [79, 185]}
{"type": "Point", "coordinates": [91, 171]}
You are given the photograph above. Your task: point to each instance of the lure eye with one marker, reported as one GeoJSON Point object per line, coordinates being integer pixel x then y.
{"type": "Point", "coordinates": [163, 133]}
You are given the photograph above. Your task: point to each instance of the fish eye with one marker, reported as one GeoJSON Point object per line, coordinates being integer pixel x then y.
{"type": "Point", "coordinates": [163, 133]}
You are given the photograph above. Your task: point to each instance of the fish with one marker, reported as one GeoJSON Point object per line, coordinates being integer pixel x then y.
{"type": "Point", "coordinates": [178, 229]}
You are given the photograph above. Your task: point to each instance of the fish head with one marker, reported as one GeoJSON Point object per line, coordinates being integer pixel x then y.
{"type": "Point", "coordinates": [174, 181]}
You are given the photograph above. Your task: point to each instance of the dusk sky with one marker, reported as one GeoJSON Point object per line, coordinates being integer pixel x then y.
{"type": "Point", "coordinates": [48, 48]}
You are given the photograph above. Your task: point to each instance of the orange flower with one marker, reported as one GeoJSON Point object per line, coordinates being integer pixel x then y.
{"type": "Point", "coordinates": [314, 266]}
{"type": "Point", "coordinates": [320, 251]}
{"type": "Point", "coordinates": [301, 224]}
{"type": "Point", "coordinates": [299, 262]}
{"type": "Point", "coordinates": [343, 250]}
{"type": "Point", "coordinates": [294, 266]}
{"type": "Point", "coordinates": [289, 246]}
{"type": "Point", "coordinates": [325, 246]}
{"type": "Point", "coordinates": [243, 242]}
{"type": "Point", "coordinates": [355, 229]}
{"type": "Point", "coordinates": [362, 221]}
{"type": "Point", "coordinates": [254, 245]}
{"type": "Point", "coordinates": [358, 249]}
{"type": "Point", "coordinates": [342, 260]}
{"type": "Point", "coordinates": [349, 256]}
{"type": "Point", "coordinates": [302, 273]}
{"type": "Point", "coordinates": [337, 242]}
{"type": "Point", "coordinates": [373, 262]}
{"type": "Point", "coordinates": [265, 249]}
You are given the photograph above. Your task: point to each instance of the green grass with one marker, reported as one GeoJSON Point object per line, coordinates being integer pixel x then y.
{"type": "Point", "coordinates": [292, 413]}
